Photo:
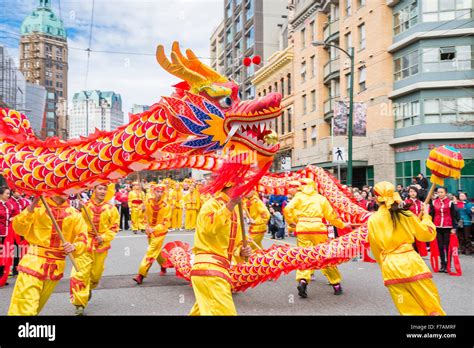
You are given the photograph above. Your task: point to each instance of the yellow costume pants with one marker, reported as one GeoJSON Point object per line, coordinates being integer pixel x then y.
{"type": "Point", "coordinates": [331, 273]}
{"type": "Point", "coordinates": [137, 218]}
{"type": "Point", "coordinates": [177, 218]}
{"type": "Point", "coordinates": [213, 296]}
{"type": "Point", "coordinates": [416, 298]}
{"type": "Point", "coordinates": [152, 254]}
{"type": "Point", "coordinates": [30, 295]}
{"type": "Point", "coordinates": [190, 219]}
{"type": "Point", "coordinates": [91, 266]}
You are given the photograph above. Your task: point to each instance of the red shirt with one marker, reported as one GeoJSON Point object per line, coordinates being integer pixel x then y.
{"type": "Point", "coordinates": [362, 203]}
{"type": "Point", "coordinates": [415, 206]}
{"type": "Point", "coordinates": [17, 205]}
{"type": "Point", "coordinates": [122, 197]}
{"type": "Point", "coordinates": [5, 215]}
{"type": "Point", "coordinates": [442, 213]}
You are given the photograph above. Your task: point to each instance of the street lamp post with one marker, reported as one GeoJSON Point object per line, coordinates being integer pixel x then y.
{"type": "Point", "coordinates": [350, 54]}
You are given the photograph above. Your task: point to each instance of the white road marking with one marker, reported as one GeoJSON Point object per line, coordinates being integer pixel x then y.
{"type": "Point", "coordinates": [144, 235]}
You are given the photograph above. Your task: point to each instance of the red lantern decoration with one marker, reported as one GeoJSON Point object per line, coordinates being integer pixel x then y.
{"type": "Point", "coordinates": [256, 60]}
{"type": "Point", "coordinates": [247, 61]}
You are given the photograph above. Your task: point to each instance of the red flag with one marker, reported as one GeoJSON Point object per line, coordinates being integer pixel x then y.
{"type": "Point", "coordinates": [434, 257]}
{"type": "Point", "coordinates": [453, 254]}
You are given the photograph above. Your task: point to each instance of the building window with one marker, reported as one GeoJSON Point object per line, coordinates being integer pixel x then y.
{"type": "Point", "coordinates": [249, 10]}
{"type": "Point", "coordinates": [314, 135]}
{"type": "Point", "coordinates": [448, 110]}
{"type": "Point", "coordinates": [313, 66]}
{"type": "Point", "coordinates": [405, 18]}
{"type": "Point", "coordinates": [229, 60]}
{"type": "Point", "coordinates": [276, 86]}
{"type": "Point", "coordinates": [450, 58]}
{"type": "Point", "coordinates": [282, 86]}
{"type": "Point", "coordinates": [362, 77]}
{"type": "Point", "coordinates": [303, 39]}
{"type": "Point", "coordinates": [289, 113]}
{"type": "Point", "coordinates": [313, 100]}
{"type": "Point", "coordinates": [283, 122]}
{"type": "Point", "coordinates": [305, 138]}
{"type": "Point", "coordinates": [276, 126]}
{"type": "Point", "coordinates": [228, 10]}
{"type": "Point", "coordinates": [348, 84]}
{"type": "Point", "coordinates": [312, 33]}
{"type": "Point", "coordinates": [249, 38]}
{"type": "Point", "coordinates": [348, 39]}
{"type": "Point", "coordinates": [446, 10]}
{"type": "Point", "coordinates": [251, 71]}
{"type": "Point", "coordinates": [361, 36]}
{"type": "Point", "coordinates": [270, 89]}
{"type": "Point", "coordinates": [238, 24]}
{"type": "Point", "coordinates": [406, 65]}
{"type": "Point", "coordinates": [289, 83]}
{"type": "Point", "coordinates": [303, 72]}
{"type": "Point", "coordinates": [406, 114]}
{"type": "Point", "coordinates": [348, 7]}
{"type": "Point", "coordinates": [228, 35]}
{"type": "Point", "coordinates": [360, 3]}
{"type": "Point", "coordinates": [405, 171]}
{"type": "Point", "coordinates": [303, 98]}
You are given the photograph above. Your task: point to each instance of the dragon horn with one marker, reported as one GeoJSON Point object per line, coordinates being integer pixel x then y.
{"type": "Point", "coordinates": [177, 67]}
{"type": "Point", "coordinates": [203, 69]}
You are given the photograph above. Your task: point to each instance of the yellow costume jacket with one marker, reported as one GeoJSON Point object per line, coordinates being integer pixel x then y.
{"type": "Point", "coordinates": [192, 200]}
{"type": "Point", "coordinates": [307, 210]}
{"type": "Point", "coordinates": [136, 199]}
{"type": "Point", "coordinates": [45, 259]}
{"type": "Point", "coordinates": [106, 220]}
{"type": "Point", "coordinates": [258, 212]}
{"type": "Point", "coordinates": [392, 246]}
{"type": "Point", "coordinates": [218, 238]}
{"type": "Point", "coordinates": [158, 215]}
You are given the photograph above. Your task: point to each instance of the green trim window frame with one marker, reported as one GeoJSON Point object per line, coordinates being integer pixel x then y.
{"type": "Point", "coordinates": [406, 114]}
{"type": "Point", "coordinates": [449, 58]}
{"type": "Point", "coordinates": [405, 171]}
{"type": "Point", "coordinates": [446, 10]}
{"type": "Point", "coordinates": [405, 18]}
{"type": "Point", "coordinates": [370, 176]}
{"type": "Point", "coordinates": [406, 65]}
{"type": "Point", "coordinates": [448, 110]}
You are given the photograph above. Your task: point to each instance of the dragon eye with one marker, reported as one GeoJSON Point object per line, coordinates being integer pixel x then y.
{"type": "Point", "coordinates": [225, 102]}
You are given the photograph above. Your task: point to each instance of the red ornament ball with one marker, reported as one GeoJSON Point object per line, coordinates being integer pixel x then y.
{"type": "Point", "coordinates": [256, 60]}
{"type": "Point", "coordinates": [247, 61]}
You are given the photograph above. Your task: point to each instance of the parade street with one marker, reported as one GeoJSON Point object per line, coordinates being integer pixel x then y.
{"type": "Point", "coordinates": [364, 292]}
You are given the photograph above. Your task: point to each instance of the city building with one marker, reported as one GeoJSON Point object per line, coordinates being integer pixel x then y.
{"type": "Point", "coordinates": [250, 29]}
{"type": "Point", "coordinates": [217, 49]}
{"type": "Point", "coordinates": [12, 82]}
{"type": "Point", "coordinates": [277, 76]}
{"type": "Point", "coordinates": [321, 81]}
{"type": "Point", "coordinates": [35, 105]}
{"type": "Point", "coordinates": [433, 88]}
{"type": "Point", "coordinates": [44, 61]}
{"type": "Point", "coordinates": [93, 110]}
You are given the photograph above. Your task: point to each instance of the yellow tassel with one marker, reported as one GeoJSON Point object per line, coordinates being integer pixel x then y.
{"type": "Point", "coordinates": [446, 171]}
{"type": "Point", "coordinates": [453, 162]}
{"type": "Point", "coordinates": [437, 180]}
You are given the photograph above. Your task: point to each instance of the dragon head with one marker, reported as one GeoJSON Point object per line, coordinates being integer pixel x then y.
{"type": "Point", "coordinates": [207, 111]}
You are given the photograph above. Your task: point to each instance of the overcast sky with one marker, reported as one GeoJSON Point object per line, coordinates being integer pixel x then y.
{"type": "Point", "coordinates": [121, 26]}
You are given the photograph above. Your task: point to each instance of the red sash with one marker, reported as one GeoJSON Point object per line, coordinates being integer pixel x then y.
{"type": "Point", "coordinates": [453, 253]}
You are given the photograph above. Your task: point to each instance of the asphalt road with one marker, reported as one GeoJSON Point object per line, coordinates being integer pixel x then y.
{"type": "Point", "coordinates": [364, 292]}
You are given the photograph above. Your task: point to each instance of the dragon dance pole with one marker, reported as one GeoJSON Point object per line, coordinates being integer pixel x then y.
{"type": "Point", "coordinates": [244, 235]}
{"type": "Point", "coordinates": [60, 233]}
{"type": "Point", "coordinates": [88, 217]}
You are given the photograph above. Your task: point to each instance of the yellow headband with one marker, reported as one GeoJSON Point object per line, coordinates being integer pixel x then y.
{"type": "Point", "coordinates": [385, 193]}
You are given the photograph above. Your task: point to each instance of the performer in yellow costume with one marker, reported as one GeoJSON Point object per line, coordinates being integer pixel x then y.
{"type": "Point", "coordinates": [307, 210]}
{"type": "Point", "coordinates": [294, 187]}
{"type": "Point", "coordinates": [42, 267]}
{"type": "Point", "coordinates": [158, 216]}
{"type": "Point", "coordinates": [106, 220]}
{"type": "Point", "coordinates": [136, 200]}
{"type": "Point", "coordinates": [217, 241]}
{"type": "Point", "coordinates": [259, 216]}
{"type": "Point", "coordinates": [392, 232]}
{"type": "Point", "coordinates": [176, 200]}
{"type": "Point", "coordinates": [192, 204]}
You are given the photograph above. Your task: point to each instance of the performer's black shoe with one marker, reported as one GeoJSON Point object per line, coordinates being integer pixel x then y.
{"type": "Point", "coordinates": [135, 231]}
{"type": "Point", "coordinates": [443, 269]}
{"type": "Point", "coordinates": [138, 279]}
{"type": "Point", "coordinates": [302, 289]}
{"type": "Point", "coordinates": [162, 271]}
{"type": "Point", "coordinates": [90, 295]}
{"type": "Point", "coordinates": [79, 310]}
{"type": "Point", "coordinates": [337, 289]}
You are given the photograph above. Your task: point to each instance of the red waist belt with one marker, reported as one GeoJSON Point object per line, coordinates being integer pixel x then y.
{"type": "Point", "coordinates": [137, 201]}
{"type": "Point", "coordinates": [310, 232]}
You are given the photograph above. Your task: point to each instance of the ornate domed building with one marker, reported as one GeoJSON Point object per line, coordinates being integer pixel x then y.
{"type": "Point", "coordinates": [44, 61]}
